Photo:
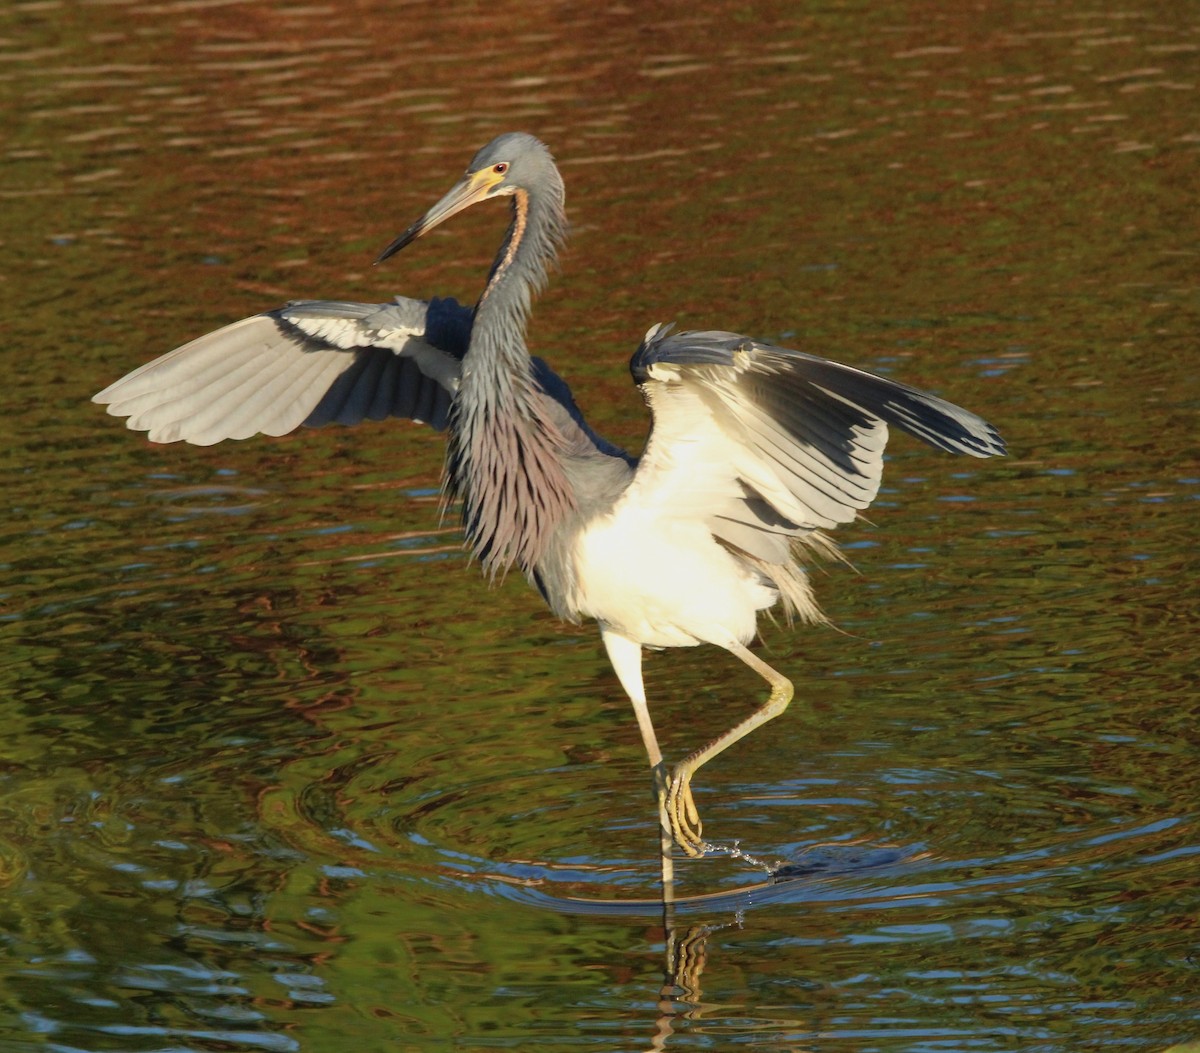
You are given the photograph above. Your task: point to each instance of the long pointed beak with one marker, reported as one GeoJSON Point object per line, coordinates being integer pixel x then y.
{"type": "Point", "coordinates": [465, 193]}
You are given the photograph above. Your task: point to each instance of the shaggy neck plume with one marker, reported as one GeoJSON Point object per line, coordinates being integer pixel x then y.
{"type": "Point", "coordinates": [504, 460]}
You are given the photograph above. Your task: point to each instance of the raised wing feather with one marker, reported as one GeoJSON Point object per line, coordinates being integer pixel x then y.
{"type": "Point", "coordinates": [311, 362]}
{"type": "Point", "coordinates": [779, 442]}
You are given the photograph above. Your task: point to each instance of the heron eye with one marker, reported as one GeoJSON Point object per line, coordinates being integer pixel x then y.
{"type": "Point", "coordinates": [500, 168]}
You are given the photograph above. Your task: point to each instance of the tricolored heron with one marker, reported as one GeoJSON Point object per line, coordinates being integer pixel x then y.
{"type": "Point", "coordinates": [754, 450]}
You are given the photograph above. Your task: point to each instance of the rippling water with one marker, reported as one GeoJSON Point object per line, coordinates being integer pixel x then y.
{"type": "Point", "coordinates": [280, 773]}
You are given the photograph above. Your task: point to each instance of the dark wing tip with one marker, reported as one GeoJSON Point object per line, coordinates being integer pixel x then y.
{"type": "Point", "coordinates": [932, 419]}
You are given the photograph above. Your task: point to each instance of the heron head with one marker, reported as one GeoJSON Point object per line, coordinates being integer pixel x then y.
{"type": "Point", "coordinates": [510, 164]}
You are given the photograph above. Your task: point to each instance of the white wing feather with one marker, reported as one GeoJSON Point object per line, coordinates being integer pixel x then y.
{"type": "Point", "coordinates": [775, 444]}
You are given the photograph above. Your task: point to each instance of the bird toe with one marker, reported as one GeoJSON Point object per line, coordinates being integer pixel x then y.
{"type": "Point", "coordinates": [686, 827]}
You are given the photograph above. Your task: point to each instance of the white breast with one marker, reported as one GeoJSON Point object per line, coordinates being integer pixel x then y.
{"type": "Point", "coordinates": [665, 582]}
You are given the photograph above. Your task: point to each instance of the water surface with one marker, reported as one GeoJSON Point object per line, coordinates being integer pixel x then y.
{"type": "Point", "coordinates": [280, 773]}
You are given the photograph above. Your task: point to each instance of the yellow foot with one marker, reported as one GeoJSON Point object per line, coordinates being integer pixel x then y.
{"type": "Point", "coordinates": [681, 812]}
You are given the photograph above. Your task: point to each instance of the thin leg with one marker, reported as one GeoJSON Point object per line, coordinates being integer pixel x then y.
{"type": "Point", "coordinates": [683, 818]}
{"type": "Point", "coordinates": [626, 658]}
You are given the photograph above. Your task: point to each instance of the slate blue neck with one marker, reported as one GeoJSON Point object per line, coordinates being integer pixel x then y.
{"type": "Point", "coordinates": [504, 457]}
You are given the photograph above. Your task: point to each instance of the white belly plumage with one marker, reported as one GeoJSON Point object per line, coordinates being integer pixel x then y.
{"type": "Point", "coordinates": [665, 582]}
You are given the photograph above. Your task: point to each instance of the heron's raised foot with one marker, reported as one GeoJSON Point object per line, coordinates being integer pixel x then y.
{"type": "Point", "coordinates": [682, 816]}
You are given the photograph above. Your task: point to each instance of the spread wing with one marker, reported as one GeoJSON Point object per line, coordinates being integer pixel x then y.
{"type": "Point", "coordinates": [770, 444]}
{"type": "Point", "coordinates": [311, 362]}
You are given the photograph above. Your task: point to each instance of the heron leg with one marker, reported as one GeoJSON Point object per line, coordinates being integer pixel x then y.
{"type": "Point", "coordinates": [626, 658]}
{"type": "Point", "coordinates": [681, 807]}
